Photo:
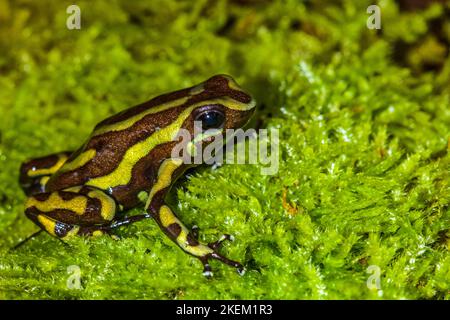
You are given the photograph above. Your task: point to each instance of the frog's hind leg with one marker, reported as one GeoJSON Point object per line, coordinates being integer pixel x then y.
{"type": "Point", "coordinates": [71, 211]}
{"type": "Point", "coordinates": [35, 173]}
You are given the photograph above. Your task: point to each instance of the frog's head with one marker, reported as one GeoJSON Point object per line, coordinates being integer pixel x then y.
{"type": "Point", "coordinates": [223, 103]}
{"type": "Point", "coordinates": [218, 103]}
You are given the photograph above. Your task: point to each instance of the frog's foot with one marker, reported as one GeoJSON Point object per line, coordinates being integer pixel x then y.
{"type": "Point", "coordinates": [207, 271]}
{"type": "Point", "coordinates": [215, 245]}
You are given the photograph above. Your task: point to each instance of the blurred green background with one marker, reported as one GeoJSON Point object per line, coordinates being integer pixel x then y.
{"type": "Point", "coordinates": [364, 120]}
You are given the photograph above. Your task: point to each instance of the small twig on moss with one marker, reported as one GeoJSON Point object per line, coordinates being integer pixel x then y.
{"type": "Point", "coordinates": [291, 209]}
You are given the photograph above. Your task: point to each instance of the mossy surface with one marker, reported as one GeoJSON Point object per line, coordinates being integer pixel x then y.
{"type": "Point", "coordinates": [364, 146]}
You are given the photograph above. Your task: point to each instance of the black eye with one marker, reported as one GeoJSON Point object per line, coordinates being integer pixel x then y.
{"type": "Point", "coordinates": [211, 119]}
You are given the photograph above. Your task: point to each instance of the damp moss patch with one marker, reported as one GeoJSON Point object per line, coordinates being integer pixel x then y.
{"type": "Point", "coordinates": [361, 190]}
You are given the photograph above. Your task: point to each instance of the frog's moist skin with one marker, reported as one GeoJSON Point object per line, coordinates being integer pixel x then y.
{"type": "Point", "coordinates": [129, 155]}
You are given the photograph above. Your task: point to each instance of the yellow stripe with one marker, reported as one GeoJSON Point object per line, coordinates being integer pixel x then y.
{"type": "Point", "coordinates": [108, 205]}
{"type": "Point", "coordinates": [74, 189]}
{"type": "Point", "coordinates": [132, 120]}
{"type": "Point", "coordinates": [47, 171]}
{"type": "Point", "coordinates": [48, 223]}
{"type": "Point", "coordinates": [164, 177]}
{"type": "Point", "coordinates": [44, 180]}
{"type": "Point", "coordinates": [77, 204]}
{"type": "Point", "coordinates": [79, 161]}
{"type": "Point", "coordinates": [197, 89]}
{"type": "Point", "coordinates": [232, 104]}
{"type": "Point", "coordinates": [232, 84]}
{"type": "Point", "coordinates": [167, 217]}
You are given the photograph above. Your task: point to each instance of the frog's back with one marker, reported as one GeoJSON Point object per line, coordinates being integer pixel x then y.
{"type": "Point", "coordinates": [122, 153]}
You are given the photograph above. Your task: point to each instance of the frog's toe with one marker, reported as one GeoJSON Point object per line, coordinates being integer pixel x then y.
{"type": "Point", "coordinates": [216, 245]}
{"type": "Point", "coordinates": [207, 271]}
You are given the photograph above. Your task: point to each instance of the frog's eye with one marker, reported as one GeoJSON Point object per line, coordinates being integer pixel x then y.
{"type": "Point", "coordinates": [211, 119]}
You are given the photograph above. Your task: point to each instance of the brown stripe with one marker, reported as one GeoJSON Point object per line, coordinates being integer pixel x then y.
{"type": "Point", "coordinates": [85, 190]}
{"type": "Point", "coordinates": [128, 113]}
{"type": "Point", "coordinates": [67, 195]}
{"type": "Point", "coordinates": [239, 96]}
{"type": "Point", "coordinates": [32, 214]}
{"type": "Point", "coordinates": [42, 196]}
{"type": "Point", "coordinates": [174, 229]}
{"type": "Point", "coordinates": [157, 201]}
{"type": "Point", "coordinates": [93, 212]}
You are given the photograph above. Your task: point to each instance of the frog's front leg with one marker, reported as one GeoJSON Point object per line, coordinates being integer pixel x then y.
{"type": "Point", "coordinates": [175, 229]}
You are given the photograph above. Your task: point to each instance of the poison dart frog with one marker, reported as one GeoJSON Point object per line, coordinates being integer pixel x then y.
{"type": "Point", "coordinates": [128, 154]}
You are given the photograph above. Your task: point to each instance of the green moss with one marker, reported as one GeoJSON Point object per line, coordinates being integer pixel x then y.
{"type": "Point", "coordinates": [364, 168]}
